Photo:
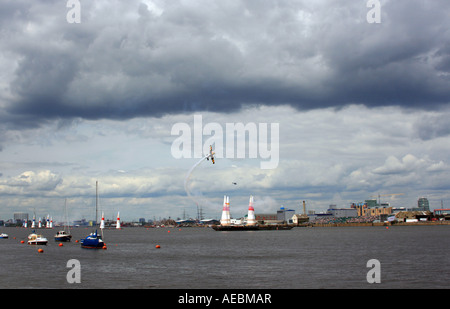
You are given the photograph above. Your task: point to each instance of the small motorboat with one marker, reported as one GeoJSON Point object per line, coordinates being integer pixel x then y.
{"type": "Point", "coordinates": [63, 236]}
{"type": "Point", "coordinates": [93, 241]}
{"type": "Point", "coordinates": [3, 235]}
{"type": "Point", "coordinates": [36, 239]}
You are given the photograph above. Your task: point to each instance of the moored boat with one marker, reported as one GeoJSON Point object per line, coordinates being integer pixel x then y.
{"type": "Point", "coordinates": [36, 239]}
{"type": "Point", "coordinates": [3, 235]}
{"type": "Point", "coordinates": [63, 236]}
{"type": "Point", "coordinates": [93, 241]}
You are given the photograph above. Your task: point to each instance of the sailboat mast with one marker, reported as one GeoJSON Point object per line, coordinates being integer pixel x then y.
{"type": "Point", "coordinates": [96, 201]}
{"type": "Point", "coordinates": [67, 216]}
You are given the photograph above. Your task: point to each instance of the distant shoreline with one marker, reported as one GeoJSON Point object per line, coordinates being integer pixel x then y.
{"type": "Point", "coordinates": [434, 223]}
{"type": "Point", "coordinates": [304, 225]}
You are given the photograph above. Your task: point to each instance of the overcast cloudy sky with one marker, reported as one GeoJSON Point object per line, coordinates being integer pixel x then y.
{"type": "Point", "coordinates": [362, 107]}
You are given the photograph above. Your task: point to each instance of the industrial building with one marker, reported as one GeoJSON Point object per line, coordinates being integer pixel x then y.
{"type": "Point", "coordinates": [299, 219]}
{"type": "Point", "coordinates": [442, 212]}
{"type": "Point", "coordinates": [285, 215]}
{"type": "Point", "coordinates": [319, 216]}
{"type": "Point", "coordinates": [266, 218]}
{"type": "Point", "coordinates": [282, 216]}
{"type": "Point", "coordinates": [334, 212]}
{"type": "Point", "coordinates": [343, 212]}
{"type": "Point", "coordinates": [372, 208]}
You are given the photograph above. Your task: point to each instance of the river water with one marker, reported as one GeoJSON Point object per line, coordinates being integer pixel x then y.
{"type": "Point", "coordinates": [201, 258]}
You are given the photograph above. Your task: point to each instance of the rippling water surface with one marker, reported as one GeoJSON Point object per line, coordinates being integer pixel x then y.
{"type": "Point", "coordinates": [410, 257]}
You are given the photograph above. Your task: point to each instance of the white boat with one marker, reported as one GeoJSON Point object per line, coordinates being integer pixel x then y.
{"type": "Point", "coordinates": [3, 235]}
{"type": "Point", "coordinates": [36, 239]}
{"type": "Point", "coordinates": [64, 235]}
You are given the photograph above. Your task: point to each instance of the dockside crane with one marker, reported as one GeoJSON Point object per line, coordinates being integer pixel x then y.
{"type": "Point", "coordinates": [380, 195]}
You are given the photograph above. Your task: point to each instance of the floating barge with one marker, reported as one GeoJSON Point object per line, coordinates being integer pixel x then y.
{"type": "Point", "coordinates": [251, 227]}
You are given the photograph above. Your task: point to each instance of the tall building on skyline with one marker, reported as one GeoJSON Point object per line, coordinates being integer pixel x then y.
{"type": "Point", "coordinates": [423, 204]}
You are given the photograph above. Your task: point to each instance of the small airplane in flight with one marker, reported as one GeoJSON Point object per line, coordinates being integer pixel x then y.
{"type": "Point", "coordinates": [211, 154]}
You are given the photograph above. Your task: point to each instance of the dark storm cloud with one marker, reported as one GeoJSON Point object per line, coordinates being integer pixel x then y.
{"type": "Point", "coordinates": [129, 59]}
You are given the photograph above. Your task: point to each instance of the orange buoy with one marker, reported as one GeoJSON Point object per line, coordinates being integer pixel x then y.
{"type": "Point", "coordinates": [22, 242]}
{"type": "Point", "coordinates": [104, 247]}
{"type": "Point", "coordinates": [157, 246]}
{"type": "Point", "coordinates": [40, 250]}
{"type": "Point", "coordinates": [76, 240]}
{"type": "Point", "coordinates": [60, 244]}
{"type": "Point", "coordinates": [168, 231]}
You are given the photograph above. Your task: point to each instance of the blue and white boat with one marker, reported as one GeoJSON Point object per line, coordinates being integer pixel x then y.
{"type": "Point", "coordinates": [3, 235]}
{"type": "Point", "coordinates": [63, 236]}
{"type": "Point", "coordinates": [93, 241]}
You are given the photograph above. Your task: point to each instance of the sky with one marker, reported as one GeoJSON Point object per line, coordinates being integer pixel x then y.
{"type": "Point", "coordinates": [362, 108]}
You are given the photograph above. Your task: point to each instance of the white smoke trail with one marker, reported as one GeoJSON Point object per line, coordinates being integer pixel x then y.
{"type": "Point", "coordinates": [186, 180]}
